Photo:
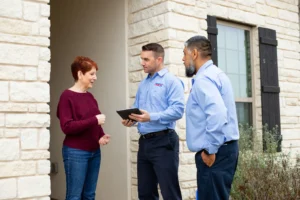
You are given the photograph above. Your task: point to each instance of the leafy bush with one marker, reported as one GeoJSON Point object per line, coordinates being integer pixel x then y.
{"type": "Point", "coordinates": [264, 175]}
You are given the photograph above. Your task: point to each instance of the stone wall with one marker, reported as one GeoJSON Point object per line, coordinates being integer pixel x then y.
{"type": "Point", "coordinates": [25, 71]}
{"type": "Point", "coordinates": [171, 22]}
{"type": "Point", "coordinates": [24, 94]}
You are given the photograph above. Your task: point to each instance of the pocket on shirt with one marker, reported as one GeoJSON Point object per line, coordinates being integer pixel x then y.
{"type": "Point", "coordinates": [159, 96]}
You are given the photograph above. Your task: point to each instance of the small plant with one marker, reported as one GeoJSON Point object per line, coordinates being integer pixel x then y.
{"type": "Point", "coordinates": [264, 175]}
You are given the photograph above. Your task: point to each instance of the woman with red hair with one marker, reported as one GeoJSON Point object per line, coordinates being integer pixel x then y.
{"type": "Point", "coordinates": [81, 120]}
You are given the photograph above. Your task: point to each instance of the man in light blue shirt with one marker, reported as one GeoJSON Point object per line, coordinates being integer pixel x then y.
{"type": "Point", "coordinates": [160, 97]}
{"type": "Point", "coordinates": [211, 121]}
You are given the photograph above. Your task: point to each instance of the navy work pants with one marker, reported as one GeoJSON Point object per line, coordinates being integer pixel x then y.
{"type": "Point", "coordinates": [158, 160]}
{"type": "Point", "coordinates": [214, 183]}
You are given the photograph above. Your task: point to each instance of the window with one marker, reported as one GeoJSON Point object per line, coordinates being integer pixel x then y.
{"type": "Point", "coordinates": [234, 58]}
{"type": "Point", "coordinates": [233, 55]}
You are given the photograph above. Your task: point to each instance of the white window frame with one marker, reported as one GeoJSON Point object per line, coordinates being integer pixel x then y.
{"type": "Point", "coordinates": [253, 89]}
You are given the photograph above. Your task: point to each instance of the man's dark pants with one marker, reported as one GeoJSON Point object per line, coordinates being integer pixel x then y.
{"type": "Point", "coordinates": [158, 160]}
{"type": "Point", "coordinates": [214, 183]}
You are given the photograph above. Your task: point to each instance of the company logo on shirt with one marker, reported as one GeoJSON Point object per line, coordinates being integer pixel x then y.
{"type": "Point", "coordinates": [158, 84]}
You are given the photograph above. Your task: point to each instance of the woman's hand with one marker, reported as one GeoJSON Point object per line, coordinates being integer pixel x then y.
{"type": "Point", "coordinates": [104, 139]}
{"type": "Point", "coordinates": [101, 119]}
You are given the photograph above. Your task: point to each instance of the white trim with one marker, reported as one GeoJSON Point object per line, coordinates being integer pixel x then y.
{"type": "Point", "coordinates": [252, 39]}
{"type": "Point", "coordinates": [245, 100]}
{"type": "Point", "coordinates": [234, 25]}
{"type": "Point", "coordinates": [129, 163]}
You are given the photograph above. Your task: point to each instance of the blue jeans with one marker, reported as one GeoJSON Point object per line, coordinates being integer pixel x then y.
{"type": "Point", "coordinates": [82, 169]}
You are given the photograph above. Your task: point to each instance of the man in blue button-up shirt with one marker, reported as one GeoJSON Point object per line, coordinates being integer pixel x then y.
{"type": "Point", "coordinates": [160, 97]}
{"type": "Point", "coordinates": [211, 121]}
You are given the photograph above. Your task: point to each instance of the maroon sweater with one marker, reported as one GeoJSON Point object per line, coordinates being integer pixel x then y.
{"type": "Point", "coordinates": [77, 114]}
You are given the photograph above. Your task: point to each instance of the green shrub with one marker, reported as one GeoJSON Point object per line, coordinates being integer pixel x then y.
{"type": "Point", "coordinates": [264, 175]}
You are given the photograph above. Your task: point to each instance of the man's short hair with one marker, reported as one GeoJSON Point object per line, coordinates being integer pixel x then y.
{"type": "Point", "coordinates": [200, 43]}
{"type": "Point", "coordinates": [157, 49]}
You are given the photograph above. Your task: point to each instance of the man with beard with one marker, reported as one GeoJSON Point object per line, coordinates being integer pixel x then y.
{"type": "Point", "coordinates": [211, 121]}
{"type": "Point", "coordinates": [160, 97]}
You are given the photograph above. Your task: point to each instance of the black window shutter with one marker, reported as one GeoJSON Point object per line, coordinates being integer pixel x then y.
{"type": "Point", "coordinates": [212, 32]}
{"type": "Point", "coordinates": [269, 81]}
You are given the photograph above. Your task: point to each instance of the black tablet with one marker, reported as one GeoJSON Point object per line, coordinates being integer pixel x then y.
{"type": "Point", "coordinates": [125, 113]}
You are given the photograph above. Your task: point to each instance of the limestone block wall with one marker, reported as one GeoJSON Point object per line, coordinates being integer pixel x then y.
{"type": "Point", "coordinates": [25, 71]}
{"type": "Point", "coordinates": [171, 22]}
{"type": "Point", "coordinates": [24, 94]}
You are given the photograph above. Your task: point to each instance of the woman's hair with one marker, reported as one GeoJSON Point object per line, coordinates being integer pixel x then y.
{"type": "Point", "coordinates": [83, 64]}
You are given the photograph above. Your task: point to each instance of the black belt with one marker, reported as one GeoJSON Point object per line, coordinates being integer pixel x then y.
{"type": "Point", "coordinates": [154, 134]}
{"type": "Point", "coordinates": [229, 142]}
{"type": "Point", "coordinates": [226, 143]}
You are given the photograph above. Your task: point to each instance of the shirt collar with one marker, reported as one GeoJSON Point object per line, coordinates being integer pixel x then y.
{"type": "Point", "coordinates": [204, 66]}
{"type": "Point", "coordinates": [161, 73]}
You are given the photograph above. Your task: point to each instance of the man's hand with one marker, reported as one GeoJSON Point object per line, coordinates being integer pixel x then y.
{"type": "Point", "coordinates": [144, 117]}
{"type": "Point", "coordinates": [127, 122]}
{"type": "Point", "coordinates": [104, 139]}
{"type": "Point", "coordinates": [209, 160]}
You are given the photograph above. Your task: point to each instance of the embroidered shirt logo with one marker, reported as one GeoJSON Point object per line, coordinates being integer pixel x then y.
{"type": "Point", "coordinates": [158, 84]}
